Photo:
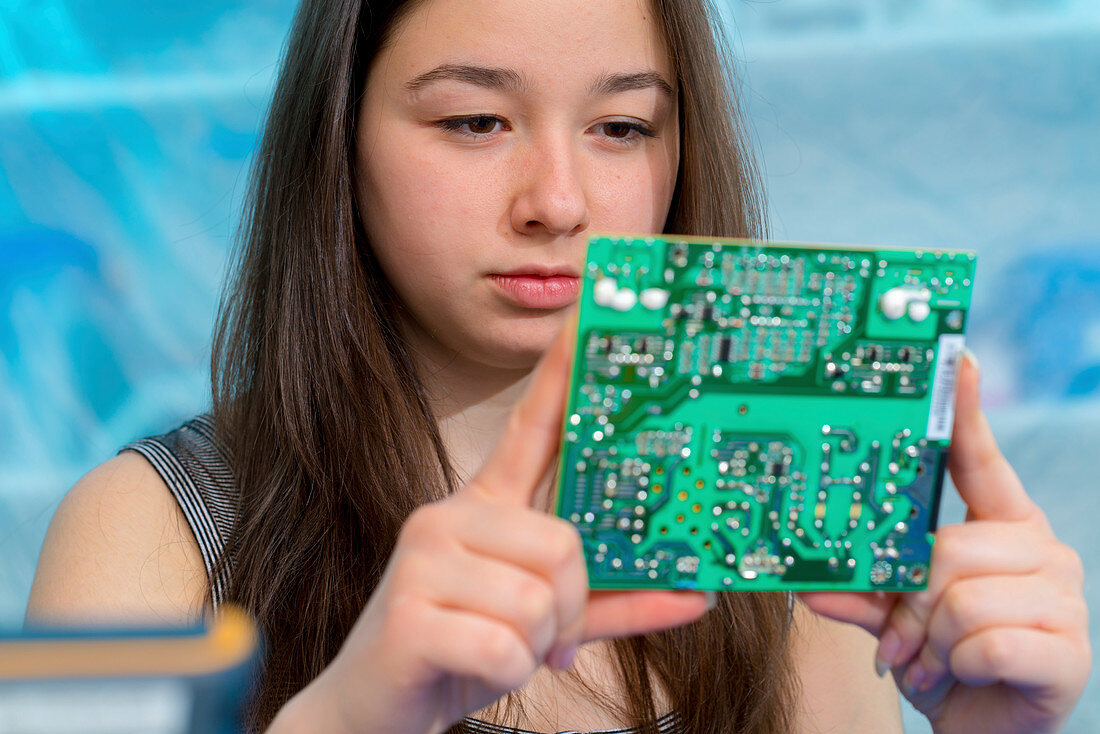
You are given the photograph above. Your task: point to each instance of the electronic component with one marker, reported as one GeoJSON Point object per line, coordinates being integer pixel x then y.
{"type": "Point", "coordinates": [761, 416]}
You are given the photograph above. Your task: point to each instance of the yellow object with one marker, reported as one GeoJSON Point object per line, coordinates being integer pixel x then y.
{"type": "Point", "coordinates": [230, 641]}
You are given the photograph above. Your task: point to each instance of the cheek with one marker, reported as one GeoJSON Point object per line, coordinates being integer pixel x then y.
{"type": "Point", "coordinates": [635, 197]}
{"type": "Point", "coordinates": [439, 191]}
{"type": "Point", "coordinates": [417, 207]}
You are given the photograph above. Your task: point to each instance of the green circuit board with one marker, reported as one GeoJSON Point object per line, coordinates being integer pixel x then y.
{"type": "Point", "coordinates": [761, 416]}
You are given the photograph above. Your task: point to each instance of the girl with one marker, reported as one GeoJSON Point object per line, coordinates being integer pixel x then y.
{"type": "Point", "coordinates": [373, 485]}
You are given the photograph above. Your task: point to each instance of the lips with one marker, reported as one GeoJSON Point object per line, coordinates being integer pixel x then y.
{"type": "Point", "coordinates": [542, 271]}
{"type": "Point", "coordinates": [539, 287]}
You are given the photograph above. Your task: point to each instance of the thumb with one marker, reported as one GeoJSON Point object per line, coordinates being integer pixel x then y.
{"type": "Point", "coordinates": [532, 435]}
{"type": "Point", "coordinates": [986, 482]}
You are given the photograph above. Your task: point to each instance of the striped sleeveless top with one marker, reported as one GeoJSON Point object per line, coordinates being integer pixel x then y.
{"type": "Point", "coordinates": [197, 469]}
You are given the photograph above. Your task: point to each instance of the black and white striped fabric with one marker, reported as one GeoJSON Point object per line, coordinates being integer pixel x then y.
{"type": "Point", "coordinates": [670, 723]}
{"type": "Point", "coordinates": [196, 468]}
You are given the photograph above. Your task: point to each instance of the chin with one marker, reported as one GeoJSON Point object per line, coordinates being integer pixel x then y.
{"type": "Point", "coordinates": [517, 343]}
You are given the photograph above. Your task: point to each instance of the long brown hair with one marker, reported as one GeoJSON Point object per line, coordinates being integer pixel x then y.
{"type": "Point", "coordinates": [332, 440]}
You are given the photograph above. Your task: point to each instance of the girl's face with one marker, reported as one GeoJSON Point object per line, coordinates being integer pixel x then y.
{"type": "Point", "coordinates": [494, 136]}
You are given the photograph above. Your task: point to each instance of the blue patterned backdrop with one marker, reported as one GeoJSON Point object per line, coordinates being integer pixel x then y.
{"type": "Point", "coordinates": [126, 128]}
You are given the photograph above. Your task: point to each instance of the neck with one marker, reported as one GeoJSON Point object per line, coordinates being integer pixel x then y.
{"type": "Point", "coordinates": [471, 401]}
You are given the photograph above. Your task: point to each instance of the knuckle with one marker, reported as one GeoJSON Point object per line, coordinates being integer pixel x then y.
{"type": "Point", "coordinates": [996, 652]}
{"type": "Point", "coordinates": [947, 534]}
{"type": "Point", "coordinates": [517, 420]}
{"type": "Point", "coordinates": [946, 555]}
{"type": "Point", "coordinates": [514, 675]}
{"type": "Point", "coordinates": [911, 612]}
{"type": "Point", "coordinates": [570, 536]}
{"type": "Point", "coordinates": [1077, 611]}
{"type": "Point", "coordinates": [477, 493]}
{"type": "Point", "coordinates": [420, 523]}
{"type": "Point", "coordinates": [562, 545]}
{"type": "Point", "coordinates": [960, 606]}
{"type": "Point", "coordinates": [1069, 561]}
{"type": "Point", "coordinates": [1082, 608]}
{"type": "Point", "coordinates": [946, 548]}
{"type": "Point", "coordinates": [498, 647]}
{"type": "Point", "coordinates": [536, 602]}
{"type": "Point", "coordinates": [408, 572]}
{"type": "Point", "coordinates": [505, 657]}
{"type": "Point", "coordinates": [1053, 610]}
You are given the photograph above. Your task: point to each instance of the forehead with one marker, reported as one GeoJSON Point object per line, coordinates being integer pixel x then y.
{"type": "Point", "coordinates": [549, 43]}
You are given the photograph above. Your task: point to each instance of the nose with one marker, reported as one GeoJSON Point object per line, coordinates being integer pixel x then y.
{"type": "Point", "coordinates": [550, 193]}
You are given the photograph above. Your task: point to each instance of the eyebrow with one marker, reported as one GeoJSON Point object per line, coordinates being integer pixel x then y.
{"type": "Point", "coordinates": [508, 80]}
{"type": "Point", "coordinates": [482, 76]}
{"type": "Point", "coordinates": [615, 83]}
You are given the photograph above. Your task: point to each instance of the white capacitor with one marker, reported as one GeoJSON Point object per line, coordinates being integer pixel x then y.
{"type": "Point", "coordinates": [604, 291]}
{"type": "Point", "coordinates": [919, 310]}
{"type": "Point", "coordinates": [624, 299]}
{"type": "Point", "coordinates": [894, 303]}
{"type": "Point", "coordinates": [654, 298]}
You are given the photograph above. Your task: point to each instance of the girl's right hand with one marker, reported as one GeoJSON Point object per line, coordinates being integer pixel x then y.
{"type": "Point", "coordinates": [482, 589]}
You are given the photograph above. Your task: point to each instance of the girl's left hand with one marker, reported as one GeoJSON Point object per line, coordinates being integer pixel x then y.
{"type": "Point", "coordinates": [998, 642]}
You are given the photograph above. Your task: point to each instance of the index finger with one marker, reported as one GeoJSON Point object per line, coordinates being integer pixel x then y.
{"type": "Point", "coordinates": [639, 611]}
{"type": "Point", "coordinates": [530, 441]}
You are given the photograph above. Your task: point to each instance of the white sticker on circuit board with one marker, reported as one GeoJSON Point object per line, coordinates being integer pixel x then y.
{"type": "Point", "coordinates": [941, 415]}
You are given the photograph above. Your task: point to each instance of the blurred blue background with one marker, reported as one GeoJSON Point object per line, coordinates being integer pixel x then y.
{"type": "Point", "coordinates": [126, 130]}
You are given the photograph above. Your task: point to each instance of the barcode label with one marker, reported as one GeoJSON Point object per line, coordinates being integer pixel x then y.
{"type": "Point", "coordinates": [941, 414]}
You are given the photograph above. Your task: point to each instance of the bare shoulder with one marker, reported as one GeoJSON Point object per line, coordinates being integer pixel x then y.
{"type": "Point", "coordinates": [118, 548]}
{"type": "Point", "coordinates": [841, 693]}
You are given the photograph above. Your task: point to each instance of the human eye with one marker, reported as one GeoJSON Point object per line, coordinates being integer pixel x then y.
{"type": "Point", "coordinates": [471, 126]}
{"type": "Point", "coordinates": [626, 132]}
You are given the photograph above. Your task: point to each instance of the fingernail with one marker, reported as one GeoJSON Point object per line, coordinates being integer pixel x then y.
{"type": "Point", "coordinates": [973, 359]}
{"type": "Point", "coordinates": [561, 659]}
{"type": "Point", "coordinates": [888, 648]}
{"type": "Point", "coordinates": [914, 677]}
{"type": "Point", "coordinates": [882, 668]}
{"type": "Point", "coordinates": [567, 659]}
{"type": "Point", "coordinates": [712, 599]}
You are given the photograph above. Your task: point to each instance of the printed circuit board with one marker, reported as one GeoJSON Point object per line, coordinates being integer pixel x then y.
{"type": "Point", "coordinates": [761, 416]}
